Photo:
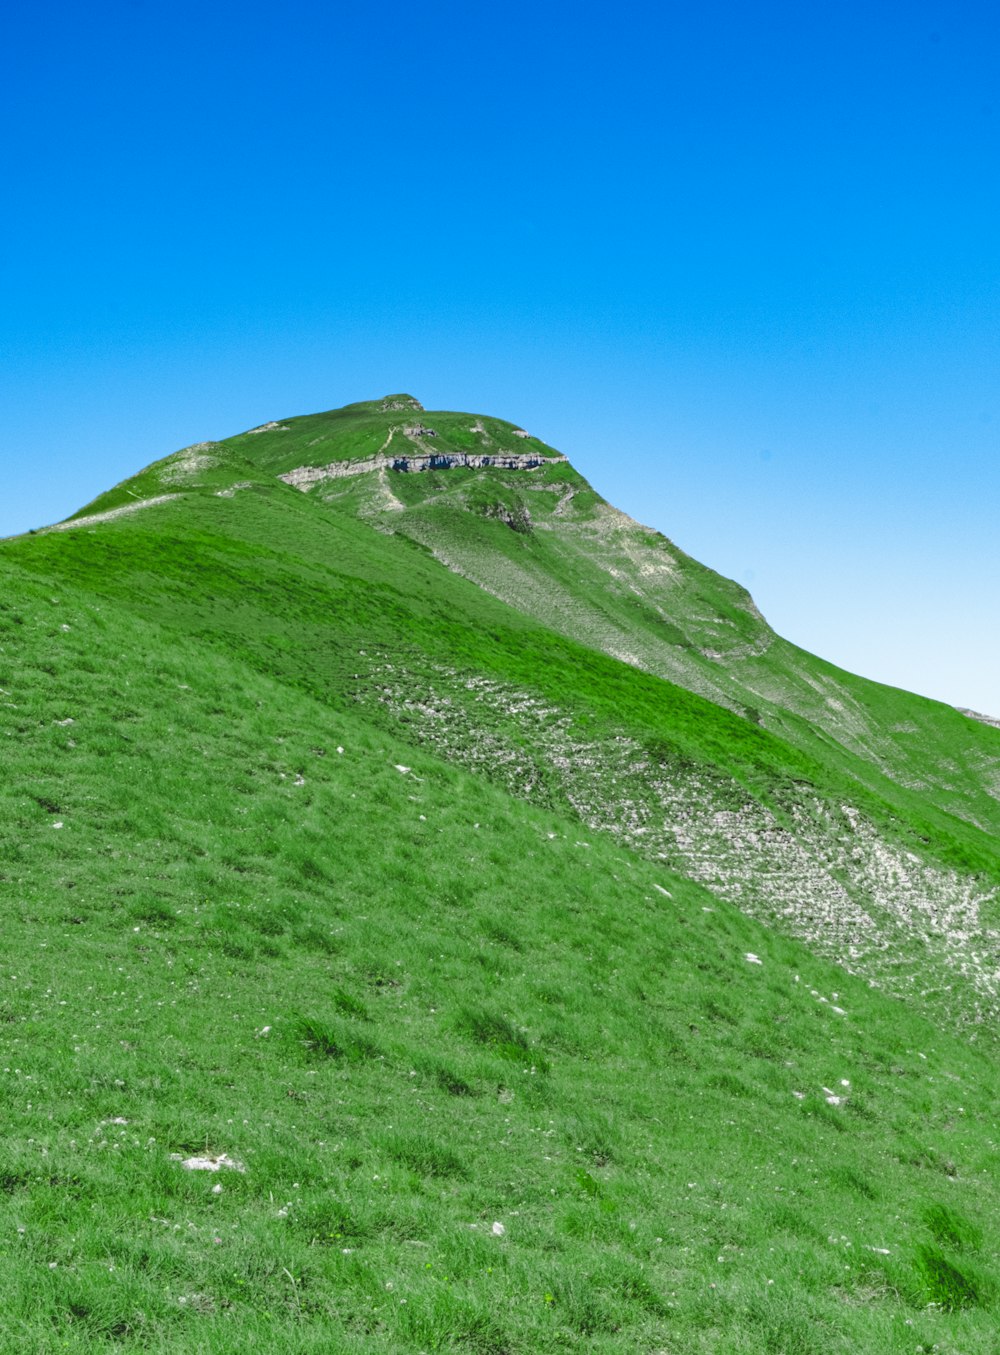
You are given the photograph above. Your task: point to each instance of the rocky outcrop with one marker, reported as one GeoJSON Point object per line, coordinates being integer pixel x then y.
{"type": "Point", "coordinates": [273, 427]}
{"type": "Point", "coordinates": [518, 519]}
{"type": "Point", "coordinates": [977, 715]}
{"type": "Point", "coordinates": [304, 477]}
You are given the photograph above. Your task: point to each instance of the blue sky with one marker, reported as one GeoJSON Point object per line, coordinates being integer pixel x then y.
{"type": "Point", "coordinates": [739, 262]}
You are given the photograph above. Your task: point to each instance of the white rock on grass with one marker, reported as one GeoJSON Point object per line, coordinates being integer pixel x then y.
{"type": "Point", "coordinates": [852, 896]}
{"type": "Point", "coordinates": [211, 1162]}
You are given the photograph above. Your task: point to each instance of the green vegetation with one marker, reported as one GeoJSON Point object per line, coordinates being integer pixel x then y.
{"type": "Point", "coordinates": [474, 1076]}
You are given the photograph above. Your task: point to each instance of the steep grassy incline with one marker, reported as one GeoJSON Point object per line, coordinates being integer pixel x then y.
{"type": "Point", "coordinates": [874, 876]}
{"type": "Point", "coordinates": [546, 543]}
{"type": "Point", "coordinates": [470, 1079]}
{"type": "Point", "coordinates": [393, 425]}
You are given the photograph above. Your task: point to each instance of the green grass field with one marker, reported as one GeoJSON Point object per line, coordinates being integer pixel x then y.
{"type": "Point", "coordinates": [474, 1076]}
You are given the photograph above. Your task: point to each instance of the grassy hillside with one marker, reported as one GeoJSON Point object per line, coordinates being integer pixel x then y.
{"type": "Point", "coordinates": [551, 547]}
{"type": "Point", "coordinates": [491, 1085]}
{"type": "Point", "coordinates": [413, 915]}
{"type": "Point", "coordinates": [868, 868]}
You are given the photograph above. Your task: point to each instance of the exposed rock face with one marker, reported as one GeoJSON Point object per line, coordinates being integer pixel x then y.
{"type": "Point", "coordinates": [273, 427]}
{"type": "Point", "coordinates": [976, 715]}
{"type": "Point", "coordinates": [517, 519]}
{"type": "Point", "coordinates": [303, 477]}
{"type": "Point", "coordinates": [185, 464]}
{"type": "Point", "coordinates": [400, 402]}
{"type": "Point", "coordinates": [817, 869]}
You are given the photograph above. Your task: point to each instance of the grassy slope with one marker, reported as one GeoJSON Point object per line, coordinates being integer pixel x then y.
{"type": "Point", "coordinates": [309, 592]}
{"type": "Point", "coordinates": [413, 1009]}
{"type": "Point", "coordinates": [352, 433]}
{"type": "Point", "coordinates": [564, 569]}
{"type": "Point", "coordinates": [301, 588]}
{"type": "Point", "coordinates": [596, 577]}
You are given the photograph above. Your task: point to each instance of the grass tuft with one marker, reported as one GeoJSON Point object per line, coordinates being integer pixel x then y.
{"type": "Point", "coordinates": [951, 1228]}
{"type": "Point", "coordinates": [949, 1285]}
{"type": "Point", "coordinates": [330, 1040]}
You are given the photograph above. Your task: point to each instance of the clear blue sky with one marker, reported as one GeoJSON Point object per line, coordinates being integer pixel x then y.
{"type": "Point", "coordinates": [740, 262]}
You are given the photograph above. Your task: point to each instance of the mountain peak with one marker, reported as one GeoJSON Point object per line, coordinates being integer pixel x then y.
{"type": "Point", "coordinates": [385, 405]}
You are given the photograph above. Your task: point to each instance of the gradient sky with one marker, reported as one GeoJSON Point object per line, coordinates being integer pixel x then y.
{"type": "Point", "coordinates": [739, 262]}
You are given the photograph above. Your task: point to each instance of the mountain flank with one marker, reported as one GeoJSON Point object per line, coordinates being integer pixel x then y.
{"type": "Point", "coordinates": [874, 842]}
{"type": "Point", "coordinates": [442, 915]}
